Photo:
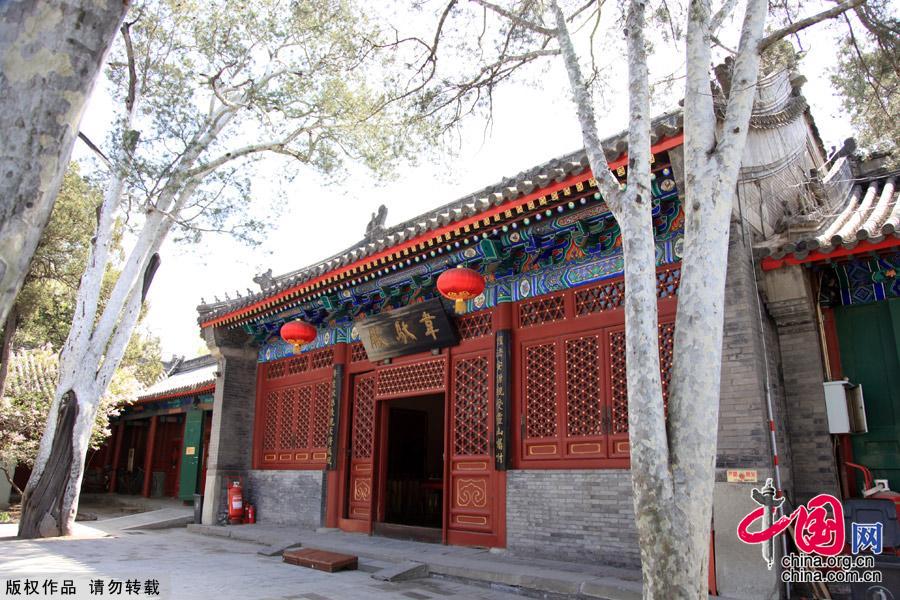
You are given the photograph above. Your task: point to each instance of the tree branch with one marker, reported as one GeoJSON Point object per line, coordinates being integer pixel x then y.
{"type": "Point", "coordinates": [808, 22]}
{"type": "Point", "coordinates": [517, 19]}
{"type": "Point", "coordinates": [723, 13]}
{"type": "Point", "coordinates": [606, 182]}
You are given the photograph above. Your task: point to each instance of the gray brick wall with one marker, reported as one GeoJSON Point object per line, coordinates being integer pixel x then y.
{"type": "Point", "coordinates": [813, 466]}
{"type": "Point", "coordinates": [287, 497]}
{"type": "Point", "coordinates": [580, 515]}
{"type": "Point", "coordinates": [743, 423]}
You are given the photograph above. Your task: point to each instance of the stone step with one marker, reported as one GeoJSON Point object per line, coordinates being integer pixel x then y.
{"type": "Point", "coordinates": [320, 560]}
{"type": "Point", "coordinates": [402, 571]}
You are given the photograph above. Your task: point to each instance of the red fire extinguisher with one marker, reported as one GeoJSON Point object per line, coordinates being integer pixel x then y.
{"type": "Point", "coordinates": [235, 500]}
{"type": "Point", "coordinates": [249, 514]}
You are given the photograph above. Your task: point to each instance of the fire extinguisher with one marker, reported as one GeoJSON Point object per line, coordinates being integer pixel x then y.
{"type": "Point", "coordinates": [235, 500]}
{"type": "Point", "coordinates": [249, 514]}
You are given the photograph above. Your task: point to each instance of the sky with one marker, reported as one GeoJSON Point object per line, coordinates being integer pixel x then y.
{"type": "Point", "coordinates": [533, 121]}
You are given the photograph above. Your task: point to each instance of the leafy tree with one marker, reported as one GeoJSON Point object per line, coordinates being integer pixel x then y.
{"type": "Point", "coordinates": [867, 75]}
{"type": "Point", "coordinates": [205, 87]}
{"type": "Point", "coordinates": [23, 409]}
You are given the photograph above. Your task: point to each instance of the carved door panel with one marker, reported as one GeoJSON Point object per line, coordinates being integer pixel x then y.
{"type": "Point", "coordinates": [475, 511]}
{"type": "Point", "coordinates": [362, 445]}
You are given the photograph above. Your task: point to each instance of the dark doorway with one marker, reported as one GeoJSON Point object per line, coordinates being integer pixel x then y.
{"type": "Point", "coordinates": [414, 474]}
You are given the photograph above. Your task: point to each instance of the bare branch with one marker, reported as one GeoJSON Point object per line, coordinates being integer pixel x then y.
{"type": "Point", "coordinates": [517, 19]}
{"type": "Point", "coordinates": [808, 22]}
{"type": "Point", "coordinates": [94, 148]}
{"type": "Point", "coordinates": [280, 147]}
{"type": "Point", "coordinates": [132, 71]}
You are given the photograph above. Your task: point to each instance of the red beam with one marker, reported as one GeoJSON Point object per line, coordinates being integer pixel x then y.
{"type": "Point", "coordinates": [665, 144]}
{"type": "Point", "coordinates": [863, 247]}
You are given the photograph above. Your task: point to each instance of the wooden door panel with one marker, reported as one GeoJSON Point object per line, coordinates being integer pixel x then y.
{"type": "Point", "coordinates": [362, 450]}
{"type": "Point", "coordinates": [473, 486]}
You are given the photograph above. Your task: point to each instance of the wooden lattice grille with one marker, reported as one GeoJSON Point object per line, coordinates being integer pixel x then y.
{"type": "Point", "coordinates": [618, 368]}
{"type": "Point", "coordinates": [540, 391]}
{"type": "Point", "coordinates": [270, 425]}
{"type": "Point", "coordinates": [666, 355]}
{"type": "Point", "coordinates": [417, 377]}
{"type": "Point", "coordinates": [475, 325]}
{"type": "Point", "coordinates": [471, 406]}
{"type": "Point", "coordinates": [295, 413]}
{"type": "Point", "coordinates": [363, 417]}
{"type": "Point", "coordinates": [619, 382]}
{"type": "Point", "coordinates": [358, 352]}
{"type": "Point", "coordinates": [545, 309]}
{"type": "Point", "coordinates": [584, 409]}
{"type": "Point", "coordinates": [600, 298]}
{"type": "Point", "coordinates": [295, 365]}
{"type": "Point", "coordinates": [667, 283]}
{"type": "Point", "coordinates": [321, 415]}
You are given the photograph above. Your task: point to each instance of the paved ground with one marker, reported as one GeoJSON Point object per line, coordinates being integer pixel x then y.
{"type": "Point", "coordinates": [199, 567]}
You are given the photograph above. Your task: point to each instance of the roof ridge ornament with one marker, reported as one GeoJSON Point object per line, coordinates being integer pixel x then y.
{"type": "Point", "coordinates": [375, 228]}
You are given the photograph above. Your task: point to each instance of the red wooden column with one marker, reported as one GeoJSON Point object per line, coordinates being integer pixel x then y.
{"type": "Point", "coordinates": [148, 458]}
{"type": "Point", "coordinates": [117, 450]}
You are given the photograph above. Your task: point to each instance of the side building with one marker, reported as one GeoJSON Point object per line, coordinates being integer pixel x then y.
{"type": "Point", "coordinates": [507, 426]}
{"type": "Point", "coordinates": [160, 443]}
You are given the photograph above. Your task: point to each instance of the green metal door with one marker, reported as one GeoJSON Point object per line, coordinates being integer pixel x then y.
{"type": "Point", "coordinates": [868, 336]}
{"type": "Point", "coordinates": [190, 454]}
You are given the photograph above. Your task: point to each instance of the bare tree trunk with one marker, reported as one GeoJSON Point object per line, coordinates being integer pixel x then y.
{"type": "Point", "coordinates": [50, 55]}
{"type": "Point", "coordinates": [9, 332]}
{"type": "Point", "coordinates": [43, 505]}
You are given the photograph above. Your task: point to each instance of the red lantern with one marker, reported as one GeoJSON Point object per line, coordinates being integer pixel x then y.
{"type": "Point", "coordinates": [460, 284]}
{"type": "Point", "coordinates": [298, 334]}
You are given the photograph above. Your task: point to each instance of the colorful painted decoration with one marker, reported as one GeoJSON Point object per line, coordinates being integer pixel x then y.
{"type": "Point", "coordinates": [460, 284]}
{"type": "Point", "coordinates": [298, 334]}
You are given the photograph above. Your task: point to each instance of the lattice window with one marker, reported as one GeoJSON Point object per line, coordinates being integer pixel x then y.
{"type": "Point", "coordinates": [321, 415]}
{"type": "Point", "coordinates": [470, 407]}
{"type": "Point", "coordinates": [596, 299]}
{"type": "Point", "coordinates": [545, 309]}
{"type": "Point", "coordinates": [270, 429]}
{"type": "Point", "coordinates": [363, 417]}
{"type": "Point", "coordinates": [667, 283]}
{"type": "Point", "coordinates": [540, 391]}
{"type": "Point", "coordinates": [297, 364]}
{"type": "Point", "coordinates": [287, 412]}
{"type": "Point", "coordinates": [619, 378]}
{"type": "Point", "coordinates": [322, 358]}
{"type": "Point", "coordinates": [584, 411]}
{"type": "Point", "coordinates": [619, 382]}
{"type": "Point", "coordinates": [358, 352]}
{"type": "Point", "coordinates": [304, 418]}
{"type": "Point", "coordinates": [416, 377]}
{"type": "Point", "coordinates": [666, 345]}
{"type": "Point", "coordinates": [474, 325]}
{"type": "Point", "coordinates": [274, 370]}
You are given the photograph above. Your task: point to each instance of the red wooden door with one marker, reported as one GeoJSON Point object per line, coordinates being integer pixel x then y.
{"type": "Point", "coordinates": [475, 499]}
{"type": "Point", "coordinates": [362, 445]}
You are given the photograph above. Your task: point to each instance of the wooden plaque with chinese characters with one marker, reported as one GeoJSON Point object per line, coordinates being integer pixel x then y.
{"type": "Point", "coordinates": [414, 328]}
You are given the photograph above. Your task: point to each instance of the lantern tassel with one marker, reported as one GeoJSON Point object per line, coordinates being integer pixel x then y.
{"type": "Point", "coordinates": [460, 306]}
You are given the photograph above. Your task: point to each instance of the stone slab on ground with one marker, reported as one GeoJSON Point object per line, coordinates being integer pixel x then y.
{"type": "Point", "coordinates": [153, 519]}
{"type": "Point", "coordinates": [402, 571]}
{"type": "Point", "coordinates": [498, 570]}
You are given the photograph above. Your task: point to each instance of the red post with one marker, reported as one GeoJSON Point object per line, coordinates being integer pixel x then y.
{"type": "Point", "coordinates": [117, 451]}
{"type": "Point", "coordinates": [148, 457]}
